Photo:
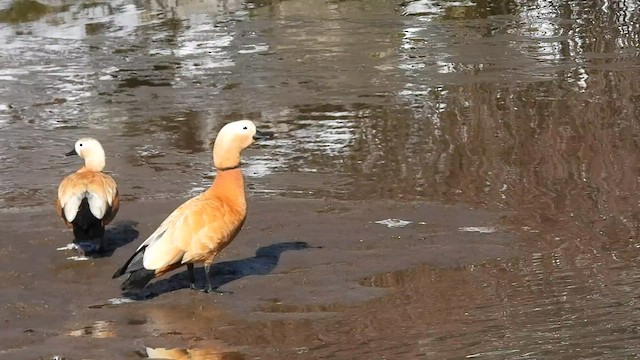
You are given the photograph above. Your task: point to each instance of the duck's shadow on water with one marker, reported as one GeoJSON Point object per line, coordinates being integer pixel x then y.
{"type": "Point", "coordinates": [265, 260]}
{"type": "Point", "coordinates": [115, 236]}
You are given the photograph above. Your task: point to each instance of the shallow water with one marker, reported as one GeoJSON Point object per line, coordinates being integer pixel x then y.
{"type": "Point", "coordinates": [527, 107]}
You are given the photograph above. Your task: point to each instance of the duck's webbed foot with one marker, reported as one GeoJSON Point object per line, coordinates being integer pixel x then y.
{"type": "Point", "coordinates": [208, 290]}
{"type": "Point", "coordinates": [89, 247]}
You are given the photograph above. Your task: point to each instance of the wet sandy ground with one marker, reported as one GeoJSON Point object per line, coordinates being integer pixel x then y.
{"type": "Point", "coordinates": [300, 269]}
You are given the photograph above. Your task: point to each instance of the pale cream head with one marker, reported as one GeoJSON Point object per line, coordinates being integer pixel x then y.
{"type": "Point", "coordinates": [231, 140]}
{"type": "Point", "coordinates": [92, 152]}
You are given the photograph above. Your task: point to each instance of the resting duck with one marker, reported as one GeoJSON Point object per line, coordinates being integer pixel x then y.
{"type": "Point", "coordinates": [88, 199]}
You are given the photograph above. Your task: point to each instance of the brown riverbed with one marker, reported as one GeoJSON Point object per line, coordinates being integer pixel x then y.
{"type": "Point", "coordinates": [299, 274]}
{"type": "Point", "coordinates": [504, 132]}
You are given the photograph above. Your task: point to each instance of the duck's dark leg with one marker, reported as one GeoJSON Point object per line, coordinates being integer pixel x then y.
{"type": "Point", "coordinates": [208, 288]}
{"type": "Point", "coordinates": [100, 242]}
{"type": "Point", "coordinates": [192, 277]}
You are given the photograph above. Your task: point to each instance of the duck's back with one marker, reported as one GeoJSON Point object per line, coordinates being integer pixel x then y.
{"type": "Point", "coordinates": [87, 196]}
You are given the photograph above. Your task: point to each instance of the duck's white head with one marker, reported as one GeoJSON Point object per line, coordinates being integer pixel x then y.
{"type": "Point", "coordinates": [231, 140]}
{"type": "Point", "coordinates": [91, 151]}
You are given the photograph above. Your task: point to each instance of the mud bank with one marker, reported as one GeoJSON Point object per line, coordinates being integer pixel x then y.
{"type": "Point", "coordinates": [301, 273]}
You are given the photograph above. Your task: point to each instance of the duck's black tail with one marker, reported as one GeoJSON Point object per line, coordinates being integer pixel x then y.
{"type": "Point", "coordinates": [85, 225]}
{"type": "Point", "coordinates": [139, 277]}
{"type": "Point", "coordinates": [137, 280]}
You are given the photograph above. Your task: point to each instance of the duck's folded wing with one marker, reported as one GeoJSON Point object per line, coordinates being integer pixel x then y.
{"type": "Point", "coordinates": [160, 247]}
{"type": "Point", "coordinates": [102, 195]}
{"type": "Point", "coordinates": [71, 191]}
{"type": "Point", "coordinates": [194, 230]}
{"type": "Point", "coordinates": [217, 223]}
{"type": "Point", "coordinates": [110, 197]}
{"type": "Point", "coordinates": [61, 212]}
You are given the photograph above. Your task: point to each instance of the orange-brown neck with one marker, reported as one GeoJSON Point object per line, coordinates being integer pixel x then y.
{"type": "Point", "coordinates": [229, 185]}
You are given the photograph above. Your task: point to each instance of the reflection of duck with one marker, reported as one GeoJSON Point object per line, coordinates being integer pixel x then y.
{"type": "Point", "coordinates": [88, 199]}
{"type": "Point", "coordinates": [196, 354]}
{"type": "Point", "coordinates": [201, 227]}
{"type": "Point", "coordinates": [100, 329]}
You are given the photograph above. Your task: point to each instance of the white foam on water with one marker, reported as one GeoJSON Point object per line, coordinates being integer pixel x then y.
{"type": "Point", "coordinates": [119, 301]}
{"type": "Point", "coordinates": [78, 258]}
{"type": "Point", "coordinates": [480, 229]}
{"type": "Point", "coordinates": [394, 223]}
{"type": "Point", "coordinates": [69, 246]}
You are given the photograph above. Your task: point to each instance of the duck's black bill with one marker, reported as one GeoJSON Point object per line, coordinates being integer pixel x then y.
{"type": "Point", "coordinates": [262, 135]}
{"type": "Point", "coordinates": [72, 152]}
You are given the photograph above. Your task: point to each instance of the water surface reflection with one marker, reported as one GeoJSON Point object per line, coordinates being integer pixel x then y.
{"type": "Point", "coordinates": [549, 305]}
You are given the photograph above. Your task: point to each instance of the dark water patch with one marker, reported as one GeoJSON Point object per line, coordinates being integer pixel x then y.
{"type": "Point", "coordinates": [137, 322]}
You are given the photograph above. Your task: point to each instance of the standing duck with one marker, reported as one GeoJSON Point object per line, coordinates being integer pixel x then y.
{"type": "Point", "coordinates": [200, 228]}
{"type": "Point", "coordinates": [88, 199]}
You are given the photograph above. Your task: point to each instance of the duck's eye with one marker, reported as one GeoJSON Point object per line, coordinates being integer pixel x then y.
{"type": "Point", "coordinates": [80, 145]}
{"type": "Point", "coordinates": [244, 128]}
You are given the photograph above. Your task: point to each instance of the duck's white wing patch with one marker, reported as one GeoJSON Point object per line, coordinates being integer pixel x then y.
{"type": "Point", "coordinates": [97, 204]}
{"type": "Point", "coordinates": [161, 254]}
{"type": "Point", "coordinates": [71, 206]}
{"type": "Point", "coordinates": [160, 251]}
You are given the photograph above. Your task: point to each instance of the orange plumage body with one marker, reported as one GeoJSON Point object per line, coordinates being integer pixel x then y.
{"type": "Point", "coordinates": [201, 227]}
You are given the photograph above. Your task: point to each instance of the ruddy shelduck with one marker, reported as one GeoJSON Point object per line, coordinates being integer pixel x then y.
{"type": "Point", "coordinates": [88, 199]}
{"type": "Point", "coordinates": [200, 228]}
